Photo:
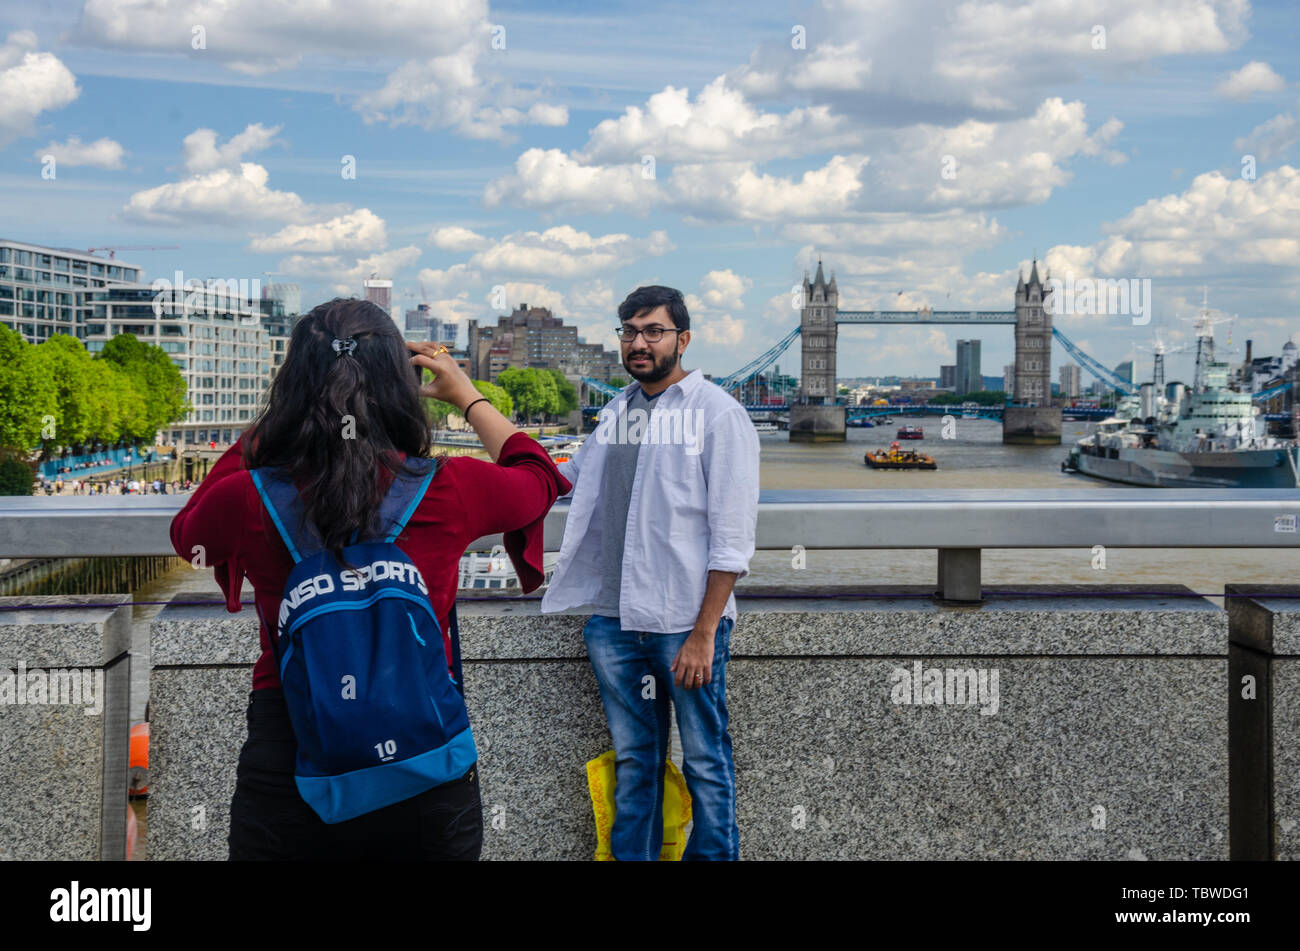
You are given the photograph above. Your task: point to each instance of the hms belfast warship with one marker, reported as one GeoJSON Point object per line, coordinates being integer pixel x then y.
{"type": "Point", "coordinates": [1207, 437]}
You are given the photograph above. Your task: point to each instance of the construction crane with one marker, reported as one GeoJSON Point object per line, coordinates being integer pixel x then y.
{"type": "Point", "coordinates": [112, 249]}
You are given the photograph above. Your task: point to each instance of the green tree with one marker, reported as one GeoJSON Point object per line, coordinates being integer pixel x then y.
{"type": "Point", "coordinates": [64, 360]}
{"type": "Point", "coordinates": [533, 393]}
{"type": "Point", "coordinates": [16, 477]}
{"type": "Point", "coordinates": [567, 394]}
{"type": "Point", "coordinates": [159, 381]}
{"type": "Point", "coordinates": [499, 398]}
{"type": "Point", "coordinates": [28, 396]}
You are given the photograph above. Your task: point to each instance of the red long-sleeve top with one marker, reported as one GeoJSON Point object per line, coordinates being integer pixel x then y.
{"type": "Point", "coordinates": [467, 499]}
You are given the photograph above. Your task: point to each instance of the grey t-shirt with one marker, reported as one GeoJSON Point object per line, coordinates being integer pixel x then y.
{"type": "Point", "coordinates": [616, 492]}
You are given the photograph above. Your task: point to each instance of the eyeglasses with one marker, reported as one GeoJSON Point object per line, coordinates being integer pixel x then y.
{"type": "Point", "coordinates": [652, 334]}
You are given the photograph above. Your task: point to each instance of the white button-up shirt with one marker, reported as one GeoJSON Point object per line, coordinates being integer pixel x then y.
{"type": "Point", "coordinates": [693, 508]}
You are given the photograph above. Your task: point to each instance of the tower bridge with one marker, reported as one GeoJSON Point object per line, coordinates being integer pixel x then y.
{"type": "Point", "coordinates": [815, 415]}
{"type": "Point", "coordinates": [1029, 417]}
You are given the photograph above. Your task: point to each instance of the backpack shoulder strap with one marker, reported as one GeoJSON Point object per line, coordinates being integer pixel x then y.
{"type": "Point", "coordinates": [405, 494]}
{"type": "Point", "coordinates": [285, 506]}
{"type": "Point", "coordinates": [281, 499]}
{"type": "Point", "coordinates": [455, 650]}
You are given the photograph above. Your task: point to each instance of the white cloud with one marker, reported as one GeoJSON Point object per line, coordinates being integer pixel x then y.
{"type": "Point", "coordinates": [456, 277]}
{"type": "Point", "coordinates": [722, 330]}
{"type": "Point", "coordinates": [456, 238]}
{"type": "Point", "coordinates": [225, 196]}
{"type": "Point", "coordinates": [921, 167]}
{"type": "Point", "coordinates": [557, 253]}
{"type": "Point", "coordinates": [547, 178]}
{"type": "Point", "coordinates": [564, 252]}
{"type": "Point", "coordinates": [735, 191]}
{"type": "Point", "coordinates": [978, 164]}
{"type": "Point", "coordinates": [724, 289]}
{"type": "Point", "coordinates": [943, 230]}
{"type": "Point", "coordinates": [357, 231]}
{"type": "Point", "coordinates": [202, 154]}
{"type": "Point", "coordinates": [447, 90]}
{"type": "Point", "coordinates": [719, 125]}
{"type": "Point", "coordinates": [457, 309]}
{"type": "Point", "coordinates": [1271, 139]}
{"type": "Point", "coordinates": [1218, 225]}
{"type": "Point", "coordinates": [30, 83]}
{"type": "Point", "coordinates": [1254, 77]}
{"type": "Point", "coordinates": [348, 276]}
{"type": "Point", "coordinates": [444, 44]}
{"type": "Point", "coordinates": [102, 153]}
{"type": "Point", "coordinates": [947, 60]}
{"type": "Point", "coordinates": [258, 36]}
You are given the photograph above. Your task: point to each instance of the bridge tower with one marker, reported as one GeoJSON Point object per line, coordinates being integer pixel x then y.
{"type": "Point", "coordinates": [1030, 418]}
{"type": "Point", "coordinates": [1033, 342]}
{"type": "Point", "coordinates": [816, 416]}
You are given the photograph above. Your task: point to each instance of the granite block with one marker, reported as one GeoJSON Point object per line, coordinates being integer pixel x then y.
{"type": "Point", "coordinates": [199, 726]}
{"type": "Point", "coordinates": [1109, 740]}
{"type": "Point", "coordinates": [536, 726]}
{"type": "Point", "coordinates": [194, 635]}
{"type": "Point", "coordinates": [828, 766]}
{"type": "Point", "coordinates": [64, 751]}
{"type": "Point", "coordinates": [1286, 759]}
{"type": "Point", "coordinates": [52, 764]}
{"type": "Point", "coordinates": [1268, 624]}
{"type": "Point", "coordinates": [902, 620]}
{"type": "Point", "coordinates": [64, 636]}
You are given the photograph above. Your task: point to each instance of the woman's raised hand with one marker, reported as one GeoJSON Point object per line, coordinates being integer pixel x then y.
{"type": "Point", "coordinates": [449, 383]}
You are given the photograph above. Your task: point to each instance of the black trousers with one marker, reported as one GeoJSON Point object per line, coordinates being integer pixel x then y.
{"type": "Point", "coordinates": [270, 820]}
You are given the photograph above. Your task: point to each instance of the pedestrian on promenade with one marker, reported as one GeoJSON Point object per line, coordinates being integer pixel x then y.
{"type": "Point", "coordinates": [342, 418]}
{"type": "Point", "coordinates": [661, 526]}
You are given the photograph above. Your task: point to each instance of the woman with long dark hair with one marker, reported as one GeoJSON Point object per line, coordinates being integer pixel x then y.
{"type": "Point", "coordinates": [342, 416]}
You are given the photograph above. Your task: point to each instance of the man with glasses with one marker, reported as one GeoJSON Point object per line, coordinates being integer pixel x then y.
{"type": "Point", "coordinates": [660, 527]}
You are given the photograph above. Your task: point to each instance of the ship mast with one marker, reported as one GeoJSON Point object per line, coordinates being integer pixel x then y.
{"type": "Point", "coordinates": [1205, 322]}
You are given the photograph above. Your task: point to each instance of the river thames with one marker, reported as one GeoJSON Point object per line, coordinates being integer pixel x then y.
{"type": "Point", "coordinates": [976, 459]}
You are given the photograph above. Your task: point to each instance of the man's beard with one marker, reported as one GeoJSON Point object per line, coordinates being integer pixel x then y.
{"type": "Point", "coordinates": [659, 369]}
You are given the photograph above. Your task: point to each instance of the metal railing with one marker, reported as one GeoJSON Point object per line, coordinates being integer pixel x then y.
{"type": "Point", "coordinates": [958, 523]}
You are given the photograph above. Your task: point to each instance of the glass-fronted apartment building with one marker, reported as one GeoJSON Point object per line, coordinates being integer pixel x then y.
{"type": "Point", "coordinates": [43, 291]}
{"type": "Point", "coordinates": [219, 342]}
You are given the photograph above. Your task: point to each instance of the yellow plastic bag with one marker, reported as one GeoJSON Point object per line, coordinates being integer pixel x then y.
{"type": "Point", "coordinates": [677, 808]}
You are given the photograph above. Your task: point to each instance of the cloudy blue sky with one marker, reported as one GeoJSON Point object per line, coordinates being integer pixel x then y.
{"type": "Point", "coordinates": [925, 149]}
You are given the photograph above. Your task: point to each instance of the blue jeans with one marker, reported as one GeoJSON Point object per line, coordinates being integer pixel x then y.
{"type": "Point", "coordinates": [638, 722]}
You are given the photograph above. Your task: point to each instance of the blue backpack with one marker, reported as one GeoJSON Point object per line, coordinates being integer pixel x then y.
{"type": "Point", "coordinates": [378, 716]}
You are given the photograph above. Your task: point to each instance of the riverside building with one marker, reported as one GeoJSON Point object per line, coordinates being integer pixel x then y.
{"type": "Point", "coordinates": [44, 291]}
{"type": "Point", "coordinates": [220, 342]}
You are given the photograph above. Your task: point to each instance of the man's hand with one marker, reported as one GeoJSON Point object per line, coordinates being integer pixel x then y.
{"type": "Point", "coordinates": [693, 665]}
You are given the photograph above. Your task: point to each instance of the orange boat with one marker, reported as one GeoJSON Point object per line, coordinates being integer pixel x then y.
{"type": "Point", "coordinates": [896, 458]}
{"type": "Point", "coordinates": [138, 780]}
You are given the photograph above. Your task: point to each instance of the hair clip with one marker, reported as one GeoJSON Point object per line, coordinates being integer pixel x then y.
{"type": "Point", "coordinates": [347, 344]}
